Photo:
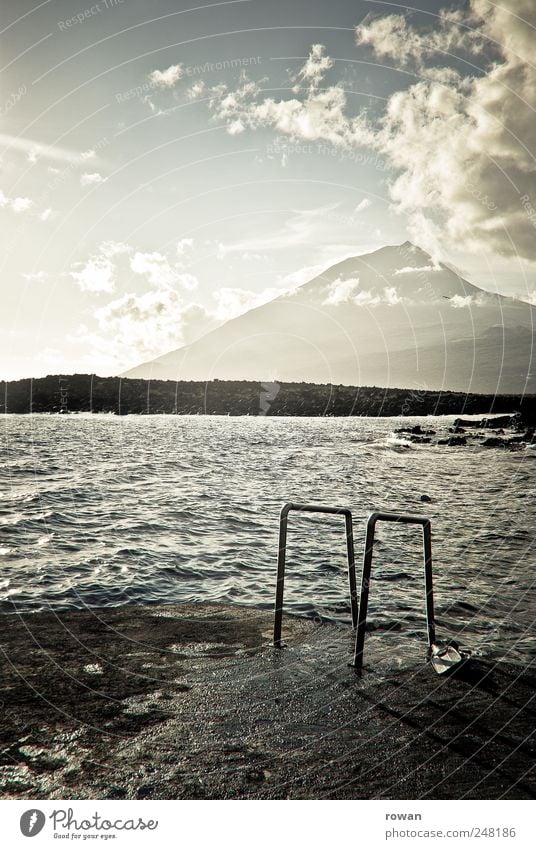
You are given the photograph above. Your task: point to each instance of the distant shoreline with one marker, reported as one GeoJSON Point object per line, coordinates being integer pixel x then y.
{"type": "Point", "coordinates": [123, 396]}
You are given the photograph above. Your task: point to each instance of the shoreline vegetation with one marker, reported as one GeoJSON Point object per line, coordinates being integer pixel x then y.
{"type": "Point", "coordinates": [191, 701]}
{"type": "Point", "coordinates": [78, 393]}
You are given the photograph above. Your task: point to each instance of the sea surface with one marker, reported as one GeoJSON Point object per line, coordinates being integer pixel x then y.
{"type": "Point", "coordinates": [99, 510]}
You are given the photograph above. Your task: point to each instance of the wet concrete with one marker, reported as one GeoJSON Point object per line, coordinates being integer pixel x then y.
{"type": "Point", "coordinates": [191, 701]}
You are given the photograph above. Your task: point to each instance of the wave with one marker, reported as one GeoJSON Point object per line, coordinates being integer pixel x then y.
{"type": "Point", "coordinates": [137, 515]}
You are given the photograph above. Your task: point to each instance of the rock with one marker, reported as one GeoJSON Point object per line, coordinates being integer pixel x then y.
{"type": "Point", "coordinates": [145, 791]}
{"type": "Point", "coordinates": [499, 421]}
{"type": "Point", "coordinates": [467, 423]}
{"type": "Point", "coordinates": [453, 441]}
{"type": "Point", "coordinates": [500, 442]}
{"type": "Point", "coordinates": [416, 430]}
{"type": "Point", "coordinates": [116, 792]}
{"type": "Point", "coordinates": [496, 422]}
{"type": "Point", "coordinates": [425, 498]}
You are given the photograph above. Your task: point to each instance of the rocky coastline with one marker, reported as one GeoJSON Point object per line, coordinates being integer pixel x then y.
{"type": "Point", "coordinates": [511, 432]}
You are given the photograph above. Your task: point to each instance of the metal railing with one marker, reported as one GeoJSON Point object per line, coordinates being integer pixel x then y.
{"type": "Point", "coordinates": [282, 552]}
{"type": "Point", "coordinates": [407, 519]}
{"type": "Point", "coordinates": [359, 611]}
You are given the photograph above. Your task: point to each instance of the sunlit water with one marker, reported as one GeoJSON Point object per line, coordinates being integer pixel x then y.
{"type": "Point", "coordinates": [104, 510]}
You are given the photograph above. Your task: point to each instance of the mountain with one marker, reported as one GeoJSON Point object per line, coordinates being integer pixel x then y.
{"type": "Point", "coordinates": [391, 318]}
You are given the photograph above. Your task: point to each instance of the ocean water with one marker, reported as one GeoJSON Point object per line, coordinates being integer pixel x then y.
{"type": "Point", "coordinates": [99, 510]}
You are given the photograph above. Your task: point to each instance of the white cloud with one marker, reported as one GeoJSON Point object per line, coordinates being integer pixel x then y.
{"type": "Point", "coordinates": [149, 102]}
{"type": "Point", "coordinates": [36, 276]}
{"type": "Point", "coordinates": [461, 301]}
{"type": "Point", "coordinates": [362, 205]}
{"type": "Point", "coordinates": [195, 90]}
{"type": "Point", "coordinates": [96, 275]}
{"type": "Point", "coordinates": [462, 141]}
{"type": "Point", "coordinates": [342, 291]}
{"type": "Point", "coordinates": [91, 179]}
{"type": "Point", "coordinates": [391, 296]}
{"type": "Point", "coordinates": [184, 246]}
{"type": "Point", "coordinates": [21, 204]}
{"type": "Point", "coordinates": [133, 327]}
{"type": "Point", "coordinates": [411, 269]}
{"type": "Point", "coordinates": [168, 78]}
{"type": "Point", "coordinates": [137, 327]}
{"type": "Point", "coordinates": [35, 150]}
{"type": "Point", "coordinates": [347, 291]}
{"type": "Point", "coordinates": [160, 272]}
{"type": "Point", "coordinates": [251, 256]}
{"type": "Point", "coordinates": [316, 65]}
{"type": "Point", "coordinates": [318, 116]}
{"type": "Point", "coordinates": [366, 299]}
{"type": "Point", "coordinates": [155, 265]}
{"type": "Point", "coordinates": [46, 214]}
{"type": "Point", "coordinates": [112, 248]}
{"type": "Point", "coordinates": [474, 184]}
{"type": "Point", "coordinates": [391, 36]}
{"type": "Point", "coordinates": [17, 205]}
{"type": "Point", "coordinates": [235, 128]}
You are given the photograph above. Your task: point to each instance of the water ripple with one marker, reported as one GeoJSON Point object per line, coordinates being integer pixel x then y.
{"type": "Point", "coordinates": [101, 511]}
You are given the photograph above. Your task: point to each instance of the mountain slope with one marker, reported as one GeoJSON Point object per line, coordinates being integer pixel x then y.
{"type": "Point", "coordinates": [389, 318]}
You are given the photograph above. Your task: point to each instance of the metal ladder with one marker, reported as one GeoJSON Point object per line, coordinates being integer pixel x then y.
{"type": "Point", "coordinates": [282, 554]}
{"type": "Point", "coordinates": [359, 612]}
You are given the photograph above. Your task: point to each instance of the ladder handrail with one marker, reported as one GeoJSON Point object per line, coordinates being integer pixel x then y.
{"type": "Point", "coordinates": [281, 558]}
{"type": "Point", "coordinates": [402, 518]}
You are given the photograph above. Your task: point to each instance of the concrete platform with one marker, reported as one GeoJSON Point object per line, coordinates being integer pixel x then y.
{"type": "Point", "coordinates": [190, 701]}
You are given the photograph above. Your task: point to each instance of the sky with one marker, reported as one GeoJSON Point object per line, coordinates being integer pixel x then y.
{"type": "Point", "coordinates": [166, 166]}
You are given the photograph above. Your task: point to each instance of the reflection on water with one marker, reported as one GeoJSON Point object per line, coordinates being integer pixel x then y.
{"type": "Point", "coordinates": [102, 510]}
